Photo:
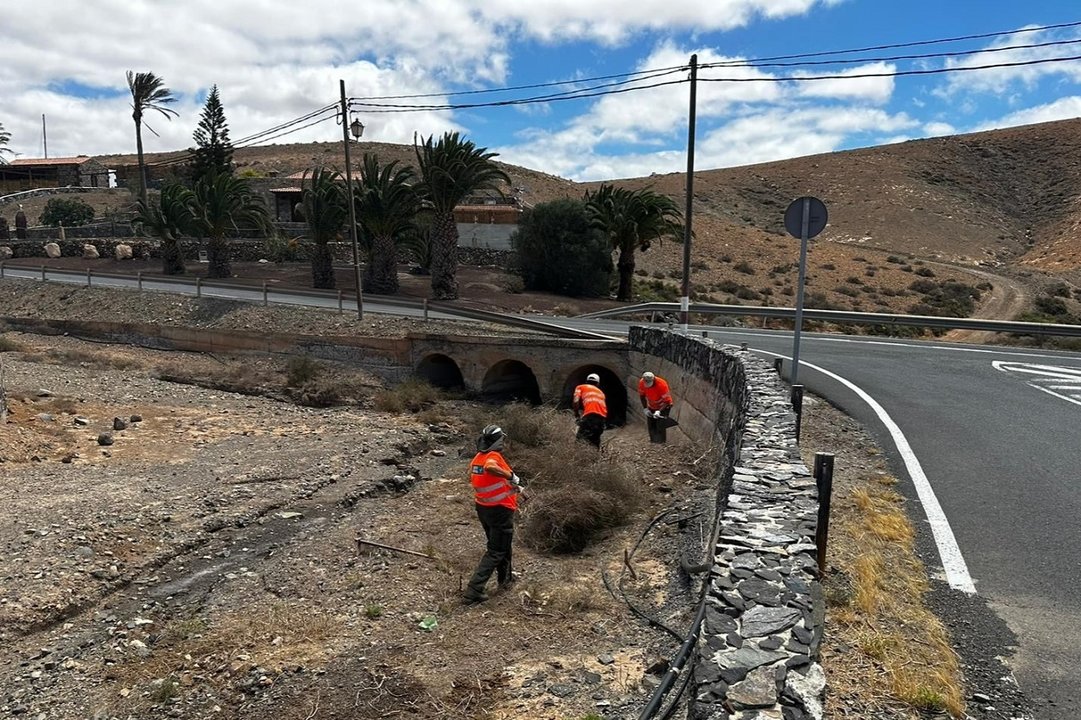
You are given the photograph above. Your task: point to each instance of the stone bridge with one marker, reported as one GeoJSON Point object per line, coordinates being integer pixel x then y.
{"type": "Point", "coordinates": [526, 369]}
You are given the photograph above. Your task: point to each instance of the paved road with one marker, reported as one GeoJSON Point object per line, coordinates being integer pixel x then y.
{"type": "Point", "coordinates": [992, 459]}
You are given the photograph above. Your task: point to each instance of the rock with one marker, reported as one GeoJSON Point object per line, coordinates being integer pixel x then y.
{"type": "Point", "coordinates": [605, 659]}
{"type": "Point", "coordinates": [760, 621]}
{"type": "Point", "coordinates": [81, 421]}
{"type": "Point", "coordinates": [139, 647]}
{"type": "Point", "coordinates": [45, 393]}
{"type": "Point", "coordinates": [123, 252]}
{"type": "Point", "coordinates": [135, 418]}
{"type": "Point", "coordinates": [90, 252]}
{"type": "Point", "coordinates": [6, 253]}
{"type": "Point", "coordinates": [561, 691]}
{"type": "Point", "coordinates": [46, 417]}
{"type": "Point", "coordinates": [120, 424]}
{"type": "Point", "coordinates": [105, 439]}
{"type": "Point", "coordinates": [807, 688]}
{"type": "Point", "coordinates": [981, 698]}
{"type": "Point", "coordinates": [758, 690]}
{"type": "Point", "coordinates": [52, 250]}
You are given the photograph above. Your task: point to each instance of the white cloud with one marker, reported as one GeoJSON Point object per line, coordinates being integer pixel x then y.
{"type": "Point", "coordinates": [870, 89]}
{"type": "Point", "coordinates": [1001, 80]}
{"type": "Point", "coordinates": [1062, 109]}
{"type": "Point", "coordinates": [938, 129]}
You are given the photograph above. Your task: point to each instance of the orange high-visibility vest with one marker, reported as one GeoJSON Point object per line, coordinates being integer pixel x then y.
{"type": "Point", "coordinates": [490, 489]}
{"type": "Point", "coordinates": [657, 397]}
{"type": "Point", "coordinates": [590, 399]}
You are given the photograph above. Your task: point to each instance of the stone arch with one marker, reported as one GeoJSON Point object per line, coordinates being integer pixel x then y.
{"type": "Point", "coordinates": [511, 381]}
{"type": "Point", "coordinates": [615, 393]}
{"type": "Point", "coordinates": [441, 371]}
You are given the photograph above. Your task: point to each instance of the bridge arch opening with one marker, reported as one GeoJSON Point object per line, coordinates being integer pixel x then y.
{"type": "Point", "coordinates": [615, 394]}
{"type": "Point", "coordinates": [441, 371]}
{"type": "Point", "coordinates": [511, 381]}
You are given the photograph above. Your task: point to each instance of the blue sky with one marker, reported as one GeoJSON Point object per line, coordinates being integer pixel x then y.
{"type": "Point", "coordinates": [275, 61]}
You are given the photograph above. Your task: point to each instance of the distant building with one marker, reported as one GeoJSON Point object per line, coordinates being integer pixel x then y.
{"type": "Point", "coordinates": [33, 173]}
{"type": "Point", "coordinates": [483, 221]}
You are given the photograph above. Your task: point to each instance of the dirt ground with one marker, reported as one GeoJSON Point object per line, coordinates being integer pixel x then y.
{"type": "Point", "coordinates": [205, 563]}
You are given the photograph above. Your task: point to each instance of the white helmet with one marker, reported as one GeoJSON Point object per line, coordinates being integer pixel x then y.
{"type": "Point", "coordinates": [647, 378]}
{"type": "Point", "coordinates": [593, 378]}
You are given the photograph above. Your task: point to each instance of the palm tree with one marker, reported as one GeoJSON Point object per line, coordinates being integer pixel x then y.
{"type": "Point", "coordinates": [325, 209]}
{"type": "Point", "coordinates": [224, 203]}
{"type": "Point", "coordinates": [168, 219]}
{"type": "Point", "coordinates": [386, 208]}
{"type": "Point", "coordinates": [148, 92]}
{"type": "Point", "coordinates": [451, 169]}
{"type": "Point", "coordinates": [5, 138]}
{"type": "Point", "coordinates": [632, 220]}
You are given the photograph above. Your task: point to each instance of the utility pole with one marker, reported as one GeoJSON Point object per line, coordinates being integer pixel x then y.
{"type": "Point", "coordinates": [352, 210]}
{"type": "Point", "coordinates": [44, 136]}
{"type": "Point", "coordinates": [685, 300]}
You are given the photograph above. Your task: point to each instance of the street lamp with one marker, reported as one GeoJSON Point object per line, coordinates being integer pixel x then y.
{"type": "Point", "coordinates": [357, 128]}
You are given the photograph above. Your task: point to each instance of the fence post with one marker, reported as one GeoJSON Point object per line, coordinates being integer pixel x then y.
{"type": "Point", "coordinates": [198, 287]}
{"type": "Point", "coordinates": [140, 281]}
{"type": "Point", "coordinates": [341, 304]}
{"type": "Point", "coordinates": [265, 300]}
{"type": "Point", "coordinates": [88, 283]}
{"type": "Point", "coordinates": [797, 405]}
{"type": "Point", "coordinates": [42, 273]}
{"type": "Point", "coordinates": [425, 309]}
{"type": "Point", "coordinates": [1, 269]}
{"type": "Point", "coordinates": [824, 482]}
{"type": "Point", "coordinates": [778, 364]}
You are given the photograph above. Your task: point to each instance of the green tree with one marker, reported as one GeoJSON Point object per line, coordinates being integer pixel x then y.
{"type": "Point", "coordinates": [167, 219]}
{"type": "Point", "coordinates": [213, 151]}
{"type": "Point", "coordinates": [5, 138]}
{"type": "Point", "coordinates": [68, 212]}
{"type": "Point", "coordinates": [558, 249]}
{"type": "Point", "coordinates": [148, 92]}
{"type": "Point", "coordinates": [632, 220]}
{"type": "Point", "coordinates": [386, 208]}
{"type": "Point", "coordinates": [451, 169]}
{"type": "Point", "coordinates": [224, 204]}
{"type": "Point", "coordinates": [326, 210]}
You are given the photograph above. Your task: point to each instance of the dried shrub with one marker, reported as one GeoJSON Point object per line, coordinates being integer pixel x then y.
{"type": "Point", "coordinates": [413, 395]}
{"type": "Point", "coordinates": [300, 370]}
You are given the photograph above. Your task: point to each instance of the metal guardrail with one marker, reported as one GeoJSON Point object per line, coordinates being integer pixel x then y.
{"type": "Point", "coordinates": [850, 317]}
{"type": "Point", "coordinates": [197, 285]}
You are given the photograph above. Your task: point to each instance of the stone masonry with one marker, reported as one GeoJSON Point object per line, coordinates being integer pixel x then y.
{"type": "Point", "coordinates": [758, 644]}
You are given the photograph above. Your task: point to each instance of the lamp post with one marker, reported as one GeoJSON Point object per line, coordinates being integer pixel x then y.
{"type": "Point", "coordinates": [357, 129]}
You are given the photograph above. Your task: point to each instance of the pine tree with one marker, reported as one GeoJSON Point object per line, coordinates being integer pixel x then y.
{"type": "Point", "coordinates": [213, 152]}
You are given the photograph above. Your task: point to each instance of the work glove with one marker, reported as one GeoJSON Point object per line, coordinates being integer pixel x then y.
{"type": "Point", "coordinates": [515, 480]}
{"type": "Point", "coordinates": [657, 415]}
{"type": "Point", "coordinates": [649, 413]}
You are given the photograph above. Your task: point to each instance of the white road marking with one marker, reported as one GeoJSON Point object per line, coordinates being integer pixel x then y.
{"type": "Point", "coordinates": [1046, 378]}
{"type": "Point", "coordinates": [953, 563]}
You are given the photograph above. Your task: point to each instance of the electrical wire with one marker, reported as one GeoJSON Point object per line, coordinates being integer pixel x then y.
{"type": "Point", "coordinates": [887, 58]}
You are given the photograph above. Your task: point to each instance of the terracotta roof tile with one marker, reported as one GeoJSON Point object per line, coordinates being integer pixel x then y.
{"type": "Point", "coordinates": [52, 161]}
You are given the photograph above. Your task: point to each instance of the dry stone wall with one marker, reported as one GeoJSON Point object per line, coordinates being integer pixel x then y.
{"type": "Point", "coordinates": [758, 642]}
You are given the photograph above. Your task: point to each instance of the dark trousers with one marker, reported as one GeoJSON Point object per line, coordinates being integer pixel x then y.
{"type": "Point", "coordinates": [658, 432]}
{"type": "Point", "coordinates": [590, 428]}
{"type": "Point", "coordinates": [498, 524]}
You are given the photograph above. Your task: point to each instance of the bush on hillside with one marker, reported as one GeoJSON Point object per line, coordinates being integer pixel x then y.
{"type": "Point", "coordinates": [558, 250]}
{"type": "Point", "coordinates": [68, 212]}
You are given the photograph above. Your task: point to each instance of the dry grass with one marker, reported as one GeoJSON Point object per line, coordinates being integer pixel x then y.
{"type": "Point", "coordinates": [413, 395]}
{"type": "Point", "coordinates": [875, 589]}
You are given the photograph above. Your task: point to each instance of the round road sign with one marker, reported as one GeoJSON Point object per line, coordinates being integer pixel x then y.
{"type": "Point", "coordinates": [816, 217]}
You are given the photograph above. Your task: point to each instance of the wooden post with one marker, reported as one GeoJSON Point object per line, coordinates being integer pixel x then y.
{"type": "Point", "coordinates": [823, 473]}
{"type": "Point", "coordinates": [797, 405]}
{"type": "Point", "coordinates": [198, 287]}
{"type": "Point", "coordinates": [266, 301]}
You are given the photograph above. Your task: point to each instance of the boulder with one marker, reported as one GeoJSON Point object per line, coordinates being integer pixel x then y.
{"type": "Point", "coordinates": [52, 250]}
{"type": "Point", "coordinates": [123, 252]}
{"type": "Point", "coordinates": [6, 253]}
{"type": "Point", "coordinates": [90, 251]}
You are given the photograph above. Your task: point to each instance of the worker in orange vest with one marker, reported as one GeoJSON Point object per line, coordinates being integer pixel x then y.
{"type": "Point", "coordinates": [656, 400]}
{"type": "Point", "coordinates": [495, 490]}
{"type": "Point", "coordinates": [591, 409]}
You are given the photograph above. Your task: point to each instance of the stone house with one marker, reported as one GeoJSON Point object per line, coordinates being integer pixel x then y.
{"type": "Point", "coordinates": [33, 173]}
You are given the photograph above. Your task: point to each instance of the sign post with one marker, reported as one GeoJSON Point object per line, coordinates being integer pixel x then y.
{"type": "Point", "coordinates": [804, 218]}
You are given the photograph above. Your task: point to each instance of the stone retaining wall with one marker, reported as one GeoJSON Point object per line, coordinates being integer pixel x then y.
{"type": "Point", "coordinates": [758, 644]}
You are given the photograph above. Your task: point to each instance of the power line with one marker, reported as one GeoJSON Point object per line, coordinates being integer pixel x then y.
{"type": "Point", "coordinates": [887, 58]}
{"type": "Point", "coordinates": [895, 73]}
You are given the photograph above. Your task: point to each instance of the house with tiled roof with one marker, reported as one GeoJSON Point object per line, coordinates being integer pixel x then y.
{"type": "Point", "coordinates": [33, 173]}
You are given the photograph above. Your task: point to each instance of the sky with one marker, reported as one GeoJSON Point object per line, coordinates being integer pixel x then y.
{"type": "Point", "coordinates": [276, 61]}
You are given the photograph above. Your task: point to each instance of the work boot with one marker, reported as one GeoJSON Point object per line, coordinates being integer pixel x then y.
{"type": "Point", "coordinates": [472, 598]}
{"type": "Point", "coordinates": [506, 584]}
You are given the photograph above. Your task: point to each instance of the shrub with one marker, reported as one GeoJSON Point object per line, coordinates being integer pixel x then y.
{"type": "Point", "coordinates": [744, 267]}
{"type": "Point", "coordinates": [1060, 290]}
{"type": "Point", "coordinates": [300, 370]}
{"type": "Point", "coordinates": [853, 280]}
{"type": "Point", "coordinates": [1053, 307]}
{"type": "Point", "coordinates": [280, 249]}
{"type": "Point", "coordinates": [655, 291]}
{"type": "Point", "coordinates": [412, 395]}
{"type": "Point", "coordinates": [68, 212]}
{"type": "Point", "coordinates": [925, 272]}
{"type": "Point", "coordinates": [559, 250]}
{"type": "Point", "coordinates": [828, 266]}
{"type": "Point", "coordinates": [894, 259]}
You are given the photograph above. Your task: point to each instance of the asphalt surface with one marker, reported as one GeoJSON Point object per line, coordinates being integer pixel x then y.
{"type": "Point", "coordinates": [995, 433]}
